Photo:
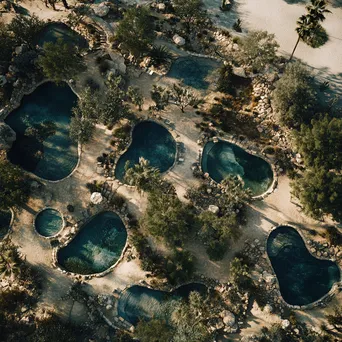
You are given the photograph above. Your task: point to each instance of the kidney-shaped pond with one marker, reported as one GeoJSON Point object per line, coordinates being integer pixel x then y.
{"type": "Point", "coordinates": [195, 72]}
{"type": "Point", "coordinates": [141, 303]}
{"type": "Point", "coordinates": [53, 31]}
{"type": "Point", "coordinates": [42, 124]}
{"type": "Point", "coordinates": [152, 142]}
{"type": "Point", "coordinates": [97, 246]}
{"type": "Point", "coordinates": [48, 222]}
{"type": "Point", "coordinates": [302, 278]}
{"type": "Point", "coordinates": [223, 158]}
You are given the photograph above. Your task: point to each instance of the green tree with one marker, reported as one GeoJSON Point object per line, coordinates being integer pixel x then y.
{"type": "Point", "coordinates": [320, 191]}
{"type": "Point", "coordinates": [9, 261]}
{"type": "Point", "coordinates": [179, 267]}
{"type": "Point", "coordinates": [153, 331]}
{"type": "Point", "coordinates": [225, 81]}
{"type": "Point", "coordinates": [113, 108]}
{"type": "Point", "coordinates": [25, 29]}
{"type": "Point", "coordinates": [308, 24]}
{"type": "Point", "coordinates": [239, 272]}
{"type": "Point", "coordinates": [335, 319]}
{"type": "Point", "coordinates": [136, 97]}
{"type": "Point", "coordinates": [160, 96]}
{"type": "Point", "coordinates": [294, 95]}
{"type": "Point", "coordinates": [167, 217]}
{"type": "Point", "coordinates": [135, 31]}
{"type": "Point", "coordinates": [217, 232]}
{"type": "Point", "coordinates": [191, 12]}
{"type": "Point", "coordinates": [14, 188]}
{"type": "Point", "coordinates": [321, 143]}
{"type": "Point", "coordinates": [81, 129]}
{"type": "Point", "coordinates": [142, 175]}
{"type": "Point", "coordinates": [6, 45]}
{"type": "Point", "coordinates": [60, 61]}
{"type": "Point", "coordinates": [258, 49]}
{"type": "Point", "coordinates": [190, 320]}
{"type": "Point", "coordinates": [183, 97]}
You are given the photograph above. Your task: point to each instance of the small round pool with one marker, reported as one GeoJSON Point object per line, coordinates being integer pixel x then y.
{"type": "Point", "coordinates": [49, 222]}
{"type": "Point", "coordinates": [96, 247]}
{"type": "Point", "coordinates": [152, 142]}
{"type": "Point", "coordinates": [193, 71]}
{"type": "Point", "coordinates": [5, 222]}
{"type": "Point", "coordinates": [303, 279]}
{"type": "Point", "coordinates": [224, 158]}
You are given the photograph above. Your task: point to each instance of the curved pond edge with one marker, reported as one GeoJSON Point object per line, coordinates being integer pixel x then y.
{"type": "Point", "coordinates": [52, 236]}
{"type": "Point", "coordinates": [15, 103]}
{"type": "Point", "coordinates": [274, 184]}
{"type": "Point", "coordinates": [336, 288]}
{"type": "Point", "coordinates": [9, 230]}
{"type": "Point", "coordinates": [78, 227]}
{"type": "Point", "coordinates": [142, 283]}
{"type": "Point", "coordinates": [158, 122]}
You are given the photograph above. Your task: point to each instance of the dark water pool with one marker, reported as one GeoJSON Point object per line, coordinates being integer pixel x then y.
{"type": "Point", "coordinates": [51, 157]}
{"type": "Point", "coordinates": [52, 32]}
{"type": "Point", "coordinates": [193, 71]}
{"type": "Point", "coordinates": [302, 278]}
{"type": "Point", "coordinates": [151, 141]}
{"type": "Point", "coordinates": [223, 158]}
{"type": "Point", "coordinates": [5, 221]}
{"type": "Point", "coordinates": [96, 247]}
{"type": "Point", "coordinates": [141, 303]}
{"type": "Point", "coordinates": [48, 222]}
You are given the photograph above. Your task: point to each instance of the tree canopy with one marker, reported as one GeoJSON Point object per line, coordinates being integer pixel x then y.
{"type": "Point", "coordinates": [60, 61]}
{"type": "Point", "coordinates": [295, 96]}
{"type": "Point", "coordinates": [320, 143]}
{"type": "Point", "coordinates": [258, 49]}
{"type": "Point", "coordinates": [319, 191]}
{"type": "Point", "coordinates": [167, 217]}
{"type": "Point", "coordinates": [153, 331]}
{"type": "Point", "coordinates": [136, 31]}
{"type": "Point", "coordinates": [14, 188]}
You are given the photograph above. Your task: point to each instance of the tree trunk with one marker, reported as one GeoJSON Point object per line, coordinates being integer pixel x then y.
{"type": "Point", "coordinates": [294, 49]}
{"type": "Point", "coordinates": [65, 4]}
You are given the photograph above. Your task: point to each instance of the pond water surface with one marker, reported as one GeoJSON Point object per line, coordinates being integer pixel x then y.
{"type": "Point", "coordinates": [302, 278]}
{"type": "Point", "coordinates": [48, 222]}
{"type": "Point", "coordinates": [51, 156]}
{"type": "Point", "coordinates": [223, 158]}
{"type": "Point", "coordinates": [96, 247]}
{"type": "Point", "coordinates": [193, 71]}
{"type": "Point", "coordinates": [141, 303]}
{"type": "Point", "coordinates": [152, 142]}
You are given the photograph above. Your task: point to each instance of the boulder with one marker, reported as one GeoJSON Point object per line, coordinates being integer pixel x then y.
{"type": "Point", "coordinates": [285, 323]}
{"type": "Point", "coordinates": [213, 208]}
{"type": "Point", "coordinates": [177, 39]}
{"type": "Point", "coordinates": [269, 278]}
{"type": "Point", "coordinates": [7, 136]}
{"type": "Point", "coordinates": [228, 318]}
{"type": "Point", "coordinates": [161, 7]}
{"type": "Point", "coordinates": [100, 10]}
{"type": "Point", "coordinates": [239, 71]}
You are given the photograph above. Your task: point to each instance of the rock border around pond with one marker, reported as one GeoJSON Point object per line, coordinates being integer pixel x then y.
{"type": "Point", "coordinates": [158, 122]}
{"type": "Point", "coordinates": [15, 103]}
{"type": "Point", "coordinates": [52, 236]}
{"type": "Point", "coordinates": [77, 228]}
{"type": "Point", "coordinates": [233, 141]}
{"type": "Point", "coordinates": [336, 288]}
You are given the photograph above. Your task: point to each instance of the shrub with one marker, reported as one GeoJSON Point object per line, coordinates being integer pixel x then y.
{"type": "Point", "coordinates": [70, 208]}
{"type": "Point", "coordinates": [117, 201]}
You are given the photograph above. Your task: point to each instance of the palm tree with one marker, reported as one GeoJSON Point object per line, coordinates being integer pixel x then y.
{"type": "Point", "coordinates": [9, 265]}
{"type": "Point", "coordinates": [307, 24]}
{"type": "Point", "coordinates": [142, 175]}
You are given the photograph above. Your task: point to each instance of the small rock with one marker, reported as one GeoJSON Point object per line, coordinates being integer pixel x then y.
{"type": "Point", "coordinates": [213, 208]}
{"type": "Point", "coordinates": [178, 40]}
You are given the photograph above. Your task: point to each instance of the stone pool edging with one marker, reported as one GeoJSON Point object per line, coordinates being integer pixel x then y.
{"type": "Point", "coordinates": [231, 140]}
{"type": "Point", "coordinates": [53, 236]}
{"type": "Point", "coordinates": [159, 122]}
{"type": "Point", "coordinates": [336, 288]}
{"type": "Point", "coordinates": [15, 103]}
{"type": "Point", "coordinates": [78, 227]}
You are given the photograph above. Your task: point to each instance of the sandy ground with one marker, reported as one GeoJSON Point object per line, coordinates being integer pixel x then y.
{"type": "Point", "coordinates": [279, 17]}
